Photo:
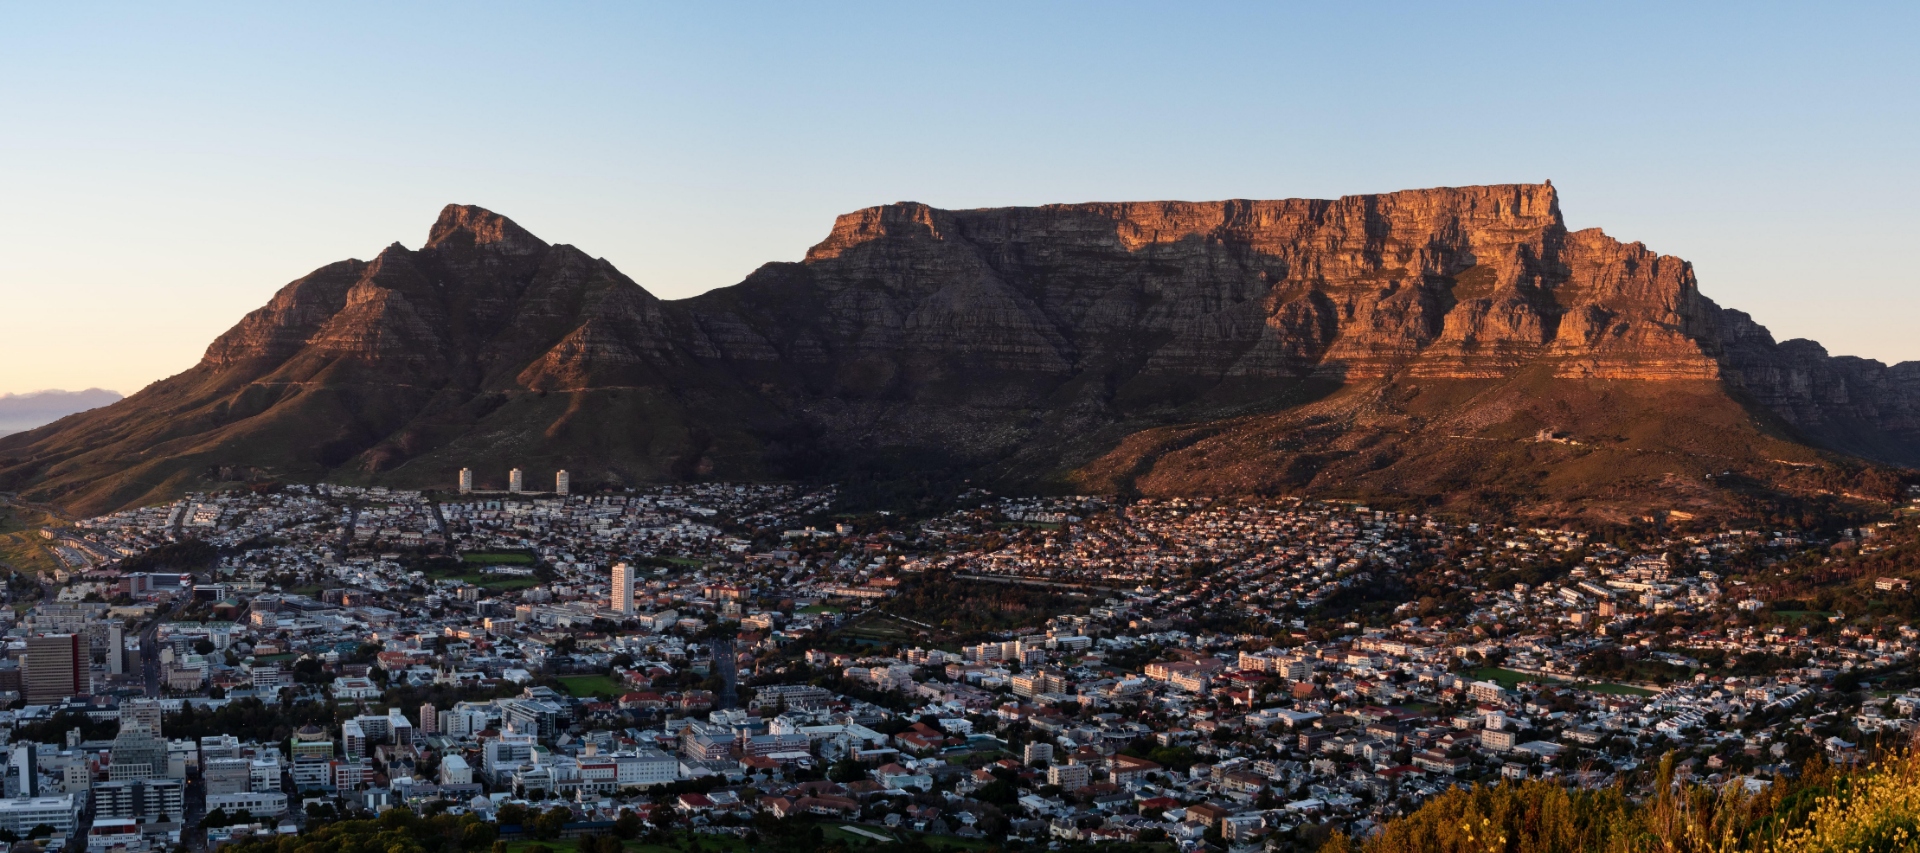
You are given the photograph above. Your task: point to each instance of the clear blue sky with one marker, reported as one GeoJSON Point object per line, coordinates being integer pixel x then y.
{"type": "Point", "coordinates": [164, 170]}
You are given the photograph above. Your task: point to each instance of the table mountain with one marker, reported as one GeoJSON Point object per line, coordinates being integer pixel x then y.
{"type": "Point", "coordinates": [1450, 347]}
{"type": "Point", "coordinates": [35, 408]}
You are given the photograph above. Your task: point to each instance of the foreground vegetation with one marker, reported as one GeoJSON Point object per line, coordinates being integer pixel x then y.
{"type": "Point", "coordinates": [400, 831]}
{"type": "Point", "coordinates": [1875, 808]}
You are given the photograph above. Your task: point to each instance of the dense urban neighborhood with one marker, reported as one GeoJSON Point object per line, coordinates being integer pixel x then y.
{"type": "Point", "coordinates": [730, 664]}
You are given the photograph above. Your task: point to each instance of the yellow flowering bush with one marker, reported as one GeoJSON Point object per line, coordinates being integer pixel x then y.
{"type": "Point", "coordinates": [1872, 809]}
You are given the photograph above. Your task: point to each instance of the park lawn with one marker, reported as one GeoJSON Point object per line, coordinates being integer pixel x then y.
{"type": "Point", "coordinates": [880, 633]}
{"type": "Point", "coordinates": [591, 685]}
{"type": "Point", "coordinates": [939, 842]}
{"type": "Point", "coordinates": [504, 583]}
{"type": "Point", "coordinates": [833, 832]}
{"type": "Point", "coordinates": [727, 843]}
{"type": "Point", "coordinates": [496, 558]}
{"type": "Point", "coordinates": [1506, 677]}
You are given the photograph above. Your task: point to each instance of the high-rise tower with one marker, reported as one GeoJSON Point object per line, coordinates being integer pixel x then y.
{"type": "Point", "coordinates": [116, 647]}
{"type": "Point", "coordinates": [623, 578]}
{"type": "Point", "coordinates": [561, 482]}
{"type": "Point", "coordinates": [55, 668]}
{"type": "Point", "coordinates": [466, 480]}
{"type": "Point", "coordinates": [516, 482]}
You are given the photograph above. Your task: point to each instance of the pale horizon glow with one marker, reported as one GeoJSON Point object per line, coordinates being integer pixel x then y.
{"type": "Point", "coordinates": [168, 169]}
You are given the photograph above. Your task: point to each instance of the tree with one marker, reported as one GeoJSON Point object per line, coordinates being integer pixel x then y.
{"type": "Point", "coordinates": [478, 836]}
{"type": "Point", "coordinates": [628, 826]}
{"type": "Point", "coordinates": [216, 819]}
{"type": "Point", "coordinates": [549, 823]}
{"type": "Point", "coordinates": [847, 770]}
{"type": "Point", "coordinates": [511, 814]}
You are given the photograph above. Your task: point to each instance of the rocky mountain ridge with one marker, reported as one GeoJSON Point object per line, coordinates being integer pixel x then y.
{"type": "Point", "coordinates": [1320, 344]}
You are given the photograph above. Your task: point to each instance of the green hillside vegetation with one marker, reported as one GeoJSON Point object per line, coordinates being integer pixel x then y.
{"type": "Point", "coordinates": [1872, 809]}
{"type": "Point", "coordinates": [21, 546]}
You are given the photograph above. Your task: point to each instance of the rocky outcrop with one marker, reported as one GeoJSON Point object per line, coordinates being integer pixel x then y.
{"type": "Point", "coordinates": [1014, 344]}
{"type": "Point", "coordinates": [1854, 405]}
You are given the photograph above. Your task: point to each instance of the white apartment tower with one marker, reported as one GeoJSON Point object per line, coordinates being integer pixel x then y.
{"type": "Point", "coordinates": [623, 578]}
{"type": "Point", "coordinates": [561, 482]}
{"type": "Point", "coordinates": [466, 480]}
{"type": "Point", "coordinates": [516, 482]}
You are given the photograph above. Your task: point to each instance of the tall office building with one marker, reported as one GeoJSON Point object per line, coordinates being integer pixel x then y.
{"type": "Point", "coordinates": [116, 648]}
{"type": "Point", "coordinates": [515, 481]}
{"type": "Point", "coordinates": [55, 668]}
{"type": "Point", "coordinates": [138, 752]}
{"type": "Point", "coordinates": [429, 719]}
{"type": "Point", "coordinates": [623, 578]}
{"type": "Point", "coordinates": [23, 770]}
{"type": "Point", "coordinates": [561, 483]}
{"type": "Point", "coordinates": [466, 480]}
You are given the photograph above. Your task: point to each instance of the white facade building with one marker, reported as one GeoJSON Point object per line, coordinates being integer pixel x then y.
{"type": "Point", "coordinates": [454, 771]}
{"type": "Point", "coordinates": [21, 814]}
{"type": "Point", "coordinates": [271, 803]}
{"type": "Point", "coordinates": [645, 767]}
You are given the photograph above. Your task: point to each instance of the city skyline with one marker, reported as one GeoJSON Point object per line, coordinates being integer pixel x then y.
{"type": "Point", "coordinates": [959, 429]}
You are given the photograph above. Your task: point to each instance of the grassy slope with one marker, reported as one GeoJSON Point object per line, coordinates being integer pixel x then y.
{"type": "Point", "coordinates": [1633, 449]}
{"type": "Point", "coordinates": [186, 436]}
{"type": "Point", "coordinates": [21, 546]}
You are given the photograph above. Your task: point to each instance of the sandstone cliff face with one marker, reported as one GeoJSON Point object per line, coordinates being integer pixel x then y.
{"type": "Point", "coordinates": [1016, 343]}
{"type": "Point", "coordinates": [1448, 283]}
